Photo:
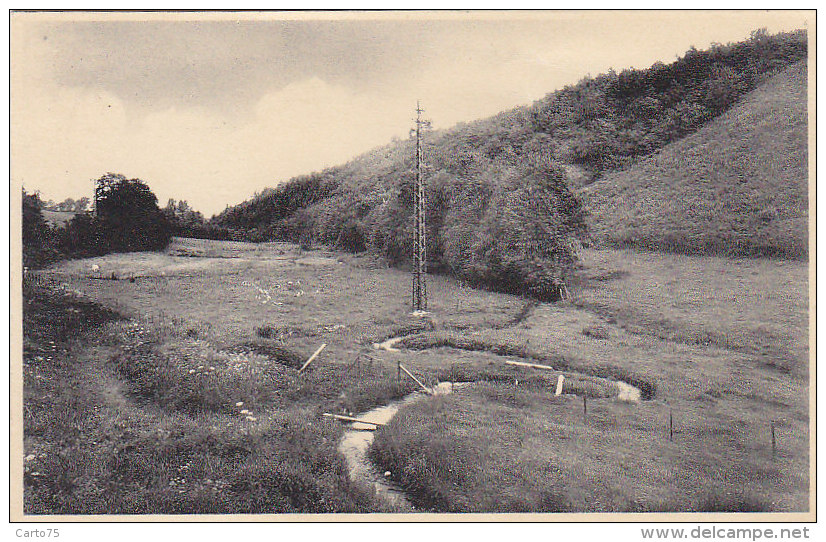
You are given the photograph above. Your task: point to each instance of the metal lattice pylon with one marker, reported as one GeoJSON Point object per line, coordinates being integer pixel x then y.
{"type": "Point", "coordinates": [419, 217]}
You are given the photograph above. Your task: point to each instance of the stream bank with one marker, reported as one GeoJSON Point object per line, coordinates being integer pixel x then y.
{"type": "Point", "coordinates": [358, 437]}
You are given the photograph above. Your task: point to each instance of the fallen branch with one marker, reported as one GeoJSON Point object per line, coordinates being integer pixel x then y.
{"type": "Point", "coordinates": [317, 352]}
{"type": "Point", "coordinates": [349, 419]}
{"type": "Point", "coordinates": [533, 365]}
{"type": "Point", "coordinates": [408, 373]}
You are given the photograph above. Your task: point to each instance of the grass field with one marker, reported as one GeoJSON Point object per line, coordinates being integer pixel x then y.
{"type": "Point", "coordinates": [722, 343]}
{"type": "Point", "coordinates": [141, 412]}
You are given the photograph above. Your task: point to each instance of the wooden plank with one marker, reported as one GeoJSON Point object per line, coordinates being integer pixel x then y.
{"type": "Point", "coordinates": [533, 365]}
{"type": "Point", "coordinates": [425, 388]}
{"type": "Point", "coordinates": [559, 382]}
{"type": "Point", "coordinates": [317, 352]}
{"type": "Point", "coordinates": [349, 419]}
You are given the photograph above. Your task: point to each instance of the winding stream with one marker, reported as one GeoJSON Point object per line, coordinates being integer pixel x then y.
{"type": "Point", "coordinates": [390, 344]}
{"type": "Point", "coordinates": [355, 444]}
{"type": "Point", "coordinates": [628, 392]}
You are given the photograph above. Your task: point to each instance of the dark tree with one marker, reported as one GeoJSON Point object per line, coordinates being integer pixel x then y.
{"type": "Point", "coordinates": [128, 214]}
{"type": "Point", "coordinates": [66, 205]}
{"type": "Point", "coordinates": [38, 247]}
{"type": "Point", "coordinates": [82, 205]}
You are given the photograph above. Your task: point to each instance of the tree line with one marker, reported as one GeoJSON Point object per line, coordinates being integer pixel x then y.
{"type": "Point", "coordinates": [69, 205]}
{"type": "Point", "coordinates": [126, 218]}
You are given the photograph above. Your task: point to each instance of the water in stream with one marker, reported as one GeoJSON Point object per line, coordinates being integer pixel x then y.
{"type": "Point", "coordinates": [628, 392]}
{"type": "Point", "coordinates": [389, 345]}
{"type": "Point", "coordinates": [357, 440]}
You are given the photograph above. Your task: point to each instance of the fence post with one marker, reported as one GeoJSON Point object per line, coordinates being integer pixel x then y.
{"type": "Point", "coordinates": [670, 424]}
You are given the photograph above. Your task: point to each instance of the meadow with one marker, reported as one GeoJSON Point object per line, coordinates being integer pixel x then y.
{"type": "Point", "coordinates": [172, 385]}
{"type": "Point", "coordinates": [718, 347]}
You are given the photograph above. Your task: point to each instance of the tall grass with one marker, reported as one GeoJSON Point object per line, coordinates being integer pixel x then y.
{"type": "Point", "coordinates": [116, 423]}
{"type": "Point", "coordinates": [497, 447]}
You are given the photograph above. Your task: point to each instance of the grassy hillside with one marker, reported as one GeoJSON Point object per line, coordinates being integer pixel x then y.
{"type": "Point", "coordinates": [739, 185]}
{"type": "Point", "coordinates": [501, 210]}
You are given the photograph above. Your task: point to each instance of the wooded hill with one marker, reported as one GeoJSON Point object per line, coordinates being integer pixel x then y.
{"type": "Point", "coordinates": [502, 192]}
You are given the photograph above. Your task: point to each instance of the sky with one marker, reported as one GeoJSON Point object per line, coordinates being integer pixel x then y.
{"type": "Point", "coordinates": [211, 108]}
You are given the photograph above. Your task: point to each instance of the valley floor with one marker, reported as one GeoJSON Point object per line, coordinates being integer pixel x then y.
{"type": "Point", "coordinates": [170, 384]}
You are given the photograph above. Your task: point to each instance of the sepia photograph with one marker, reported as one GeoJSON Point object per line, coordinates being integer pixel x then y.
{"type": "Point", "coordinates": [412, 265]}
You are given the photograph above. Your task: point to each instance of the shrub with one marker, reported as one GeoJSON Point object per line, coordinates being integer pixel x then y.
{"type": "Point", "coordinates": [525, 243]}
{"type": "Point", "coordinates": [597, 332]}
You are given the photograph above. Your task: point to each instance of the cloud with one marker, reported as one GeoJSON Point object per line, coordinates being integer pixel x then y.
{"type": "Point", "coordinates": [199, 156]}
{"type": "Point", "coordinates": [65, 137]}
{"type": "Point", "coordinates": [312, 123]}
